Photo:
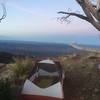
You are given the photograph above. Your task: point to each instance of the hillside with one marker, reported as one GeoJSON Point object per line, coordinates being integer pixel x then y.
{"type": "Point", "coordinates": [36, 49]}
{"type": "Point", "coordinates": [82, 76]}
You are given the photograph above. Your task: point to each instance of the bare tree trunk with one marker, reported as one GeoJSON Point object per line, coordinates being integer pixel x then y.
{"type": "Point", "coordinates": [92, 14]}
{"type": "Point", "coordinates": [98, 5]}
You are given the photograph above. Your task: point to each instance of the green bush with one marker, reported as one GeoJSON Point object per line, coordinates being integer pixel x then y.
{"type": "Point", "coordinates": [5, 90]}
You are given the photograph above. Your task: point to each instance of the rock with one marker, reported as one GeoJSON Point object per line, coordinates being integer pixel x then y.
{"type": "Point", "coordinates": [96, 90]}
{"type": "Point", "coordinates": [82, 98]}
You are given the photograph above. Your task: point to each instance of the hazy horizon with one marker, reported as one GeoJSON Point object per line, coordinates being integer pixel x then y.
{"type": "Point", "coordinates": [36, 20]}
{"type": "Point", "coordinates": [90, 39]}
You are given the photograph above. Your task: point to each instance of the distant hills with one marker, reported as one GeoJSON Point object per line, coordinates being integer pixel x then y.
{"type": "Point", "coordinates": [35, 48]}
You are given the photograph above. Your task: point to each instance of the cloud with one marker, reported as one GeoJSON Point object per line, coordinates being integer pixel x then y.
{"type": "Point", "coordinates": [21, 8]}
{"type": "Point", "coordinates": [26, 8]}
{"type": "Point", "coordinates": [79, 27]}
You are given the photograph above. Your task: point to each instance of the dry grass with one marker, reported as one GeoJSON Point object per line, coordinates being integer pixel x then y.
{"type": "Point", "coordinates": [82, 80]}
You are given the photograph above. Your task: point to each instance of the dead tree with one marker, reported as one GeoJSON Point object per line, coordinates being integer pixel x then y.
{"type": "Point", "coordinates": [4, 12]}
{"type": "Point", "coordinates": [92, 13]}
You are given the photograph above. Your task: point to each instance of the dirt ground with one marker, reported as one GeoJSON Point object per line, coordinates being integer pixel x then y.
{"type": "Point", "coordinates": [77, 87]}
{"type": "Point", "coordinates": [82, 81]}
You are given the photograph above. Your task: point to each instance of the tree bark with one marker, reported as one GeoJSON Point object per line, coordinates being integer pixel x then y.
{"type": "Point", "coordinates": [92, 15]}
{"type": "Point", "coordinates": [98, 5]}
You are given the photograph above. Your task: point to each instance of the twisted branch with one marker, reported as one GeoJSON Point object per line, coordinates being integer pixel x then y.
{"type": "Point", "coordinates": [4, 12]}
{"type": "Point", "coordinates": [75, 14]}
{"type": "Point", "coordinates": [91, 13]}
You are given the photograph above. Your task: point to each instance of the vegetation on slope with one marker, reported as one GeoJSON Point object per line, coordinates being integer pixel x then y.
{"type": "Point", "coordinates": [82, 81]}
{"type": "Point", "coordinates": [16, 73]}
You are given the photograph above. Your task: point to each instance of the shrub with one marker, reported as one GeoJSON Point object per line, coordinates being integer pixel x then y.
{"type": "Point", "coordinates": [21, 68]}
{"type": "Point", "coordinates": [5, 90]}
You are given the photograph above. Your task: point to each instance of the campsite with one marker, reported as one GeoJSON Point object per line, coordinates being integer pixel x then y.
{"type": "Point", "coordinates": [81, 76]}
{"type": "Point", "coordinates": [49, 49]}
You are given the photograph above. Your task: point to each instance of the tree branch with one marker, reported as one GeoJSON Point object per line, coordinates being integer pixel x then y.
{"type": "Point", "coordinates": [75, 14]}
{"type": "Point", "coordinates": [4, 12]}
{"type": "Point", "coordinates": [91, 13]}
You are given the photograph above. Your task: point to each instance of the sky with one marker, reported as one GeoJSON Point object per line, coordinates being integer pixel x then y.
{"type": "Point", "coordinates": [36, 20]}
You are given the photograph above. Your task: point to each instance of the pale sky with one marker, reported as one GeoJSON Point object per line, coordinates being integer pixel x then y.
{"type": "Point", "coordinates": [36, 20]}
